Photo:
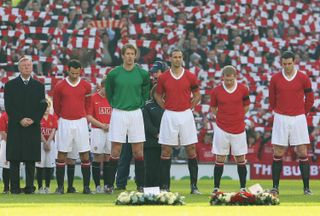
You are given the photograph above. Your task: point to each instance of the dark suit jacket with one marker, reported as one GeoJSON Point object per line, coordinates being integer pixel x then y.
{"type": "Point", "coordinates": [24, 101]}
{"type": "Point", "coordinates": [152, 114]}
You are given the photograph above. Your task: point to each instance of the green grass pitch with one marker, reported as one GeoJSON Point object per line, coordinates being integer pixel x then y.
{"type": "Point", "coordinates": [292, 202]}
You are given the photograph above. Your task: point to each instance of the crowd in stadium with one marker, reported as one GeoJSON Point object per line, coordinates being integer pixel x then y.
{"type": "Point", "coordinates": [248, 34]}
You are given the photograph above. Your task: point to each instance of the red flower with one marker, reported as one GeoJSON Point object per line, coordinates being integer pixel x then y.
{"type": "Point", "coordinates": [243, 198]}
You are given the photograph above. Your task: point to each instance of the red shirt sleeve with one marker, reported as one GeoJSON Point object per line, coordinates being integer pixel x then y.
{"type": "Point", "coordinates": [88, 97]}
{"type": "Point", "coordinates": [309, 95]}
{"type": "Point", "coordinates": [160, 86]}
{"type": "Point", "coordinates": [272, 94]}
{"type": "Point", "coordinates": [91, 108]}
{"type": "Point", "coordinates": [213, 101]}
{"type": "Point", "coordinates": [246, 98]}
{"type": "Point", "coordinates": [194, 83]}
{"type": "Point", "coordinates": [57, 100]}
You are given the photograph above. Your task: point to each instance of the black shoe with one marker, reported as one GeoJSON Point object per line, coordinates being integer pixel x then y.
{"type": "Point", "coordinates": [86, 190]}
{"type": "Point", "coordinates": [195, 190]}
{"type": "Point", "coordinates": [119, 188]}
{"type": "Point", "coordinates": [60, 190]}
{"type": "Point", "coordinates": [71, 190]}
{"type": "Point", "coordinates": [29, 190]}
{"type": "Point", "coordinates": [16, 191]}
{"type": "Point", "coordinates": [108, 189]}
{"type": "Point", "coordinates": [274, 192]}
{"type": "Point", "coordinates": [307, 192]}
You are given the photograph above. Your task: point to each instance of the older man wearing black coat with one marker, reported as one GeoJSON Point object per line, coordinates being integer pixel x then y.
{"type": "Point", "coordinates": [25, 104]}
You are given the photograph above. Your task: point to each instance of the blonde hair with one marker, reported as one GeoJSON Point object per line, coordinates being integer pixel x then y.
{"type": "Point", "coordinates": [229, 70]}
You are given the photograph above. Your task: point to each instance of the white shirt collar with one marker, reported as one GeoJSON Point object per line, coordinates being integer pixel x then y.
{"type": "Point", "coordinates": [73, 85]}
{"type": "Point", "coordinates": [232, 90]}
{"type": "Point", "coordinates": [23, 79]}
{"type": "Point", "coordinates": [289, 79]}
{"type": "Point", "coordinates": [172, 74]}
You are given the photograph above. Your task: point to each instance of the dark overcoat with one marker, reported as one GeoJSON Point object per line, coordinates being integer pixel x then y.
{"type": "Point", "coordinates": [24, 101]}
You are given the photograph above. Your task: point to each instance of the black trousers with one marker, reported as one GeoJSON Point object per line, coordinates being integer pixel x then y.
{"type": "Point", "coordinates": [152, 166]}
{"type": "Point", "coordinates": [15, 176]}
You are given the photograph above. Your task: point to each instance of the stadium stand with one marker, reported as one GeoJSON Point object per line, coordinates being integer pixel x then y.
{"type": "Point", "coordinates": [249, 34]}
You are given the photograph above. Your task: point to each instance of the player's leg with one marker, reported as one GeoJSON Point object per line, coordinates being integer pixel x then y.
{"type": "Point", "coordinates": [60, 171]}
{"type": "Point", "coordinates": [85, 170]}
{"type": "Point", "coordinates": [113, 165]}
{"type": "Point", "coordinates": [165, 165]}
{"type": "Point", "coordinates": [239, 148]}
{"type": "Point", "coordinates": [188, 137]}
{"type": "Point", "coordinates": [299, 137]}
{"type": "Point", "coordinates": [278, 152]}
{"type": "Point", "coordinates": [123, 168]}
{"type": "Point", "coordinates": [193, 168]}
{"type": "Point", "coordinates": [304, 166]}
{"type": "Point", "coordinates": [221, 148]}
{"type": "Point", "coordinates": [280, 142]}
{"type": "Point", "coordinates": [137, 153]}
{"type": "Point", "coordinates": [218, 171]}
{"type": "Point", "coordinates": [48, 171]}
{"type": "Point", "coordinates": [6, 180]}
{"type": "Point", "coordinates": [242, 171]}
{"type": "Point", "coordinates": [71, 163]}
{"type": "Point", "coordinates": [106, 159]}
{"type": "Point", "coordinates": [96, 170]}
{"type": "Point", "coordinates": [39, 174]}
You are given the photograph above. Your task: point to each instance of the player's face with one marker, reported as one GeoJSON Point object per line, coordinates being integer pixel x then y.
{"type": "Point", "coordinates": [25, 68]}
{"type": "Point", "coordinates": [74, 73]}
{"type": "Point", "coordinates": [129, 56]}
{"type": "Point", "coordinates": [229, 80]}
{"type": "Point", "coordinates": [176, 59]}
{"type": "Point", "coordinates": [288, 65]}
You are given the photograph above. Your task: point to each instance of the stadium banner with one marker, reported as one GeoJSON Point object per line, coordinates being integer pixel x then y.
{"type": "Point", "coordinates": [290, 170]}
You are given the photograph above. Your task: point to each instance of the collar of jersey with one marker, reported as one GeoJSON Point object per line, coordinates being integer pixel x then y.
{"type": "Point", "coordinates": [73, 85]}
{"type": "Point", "coordinates": [232, 90]}
{"type": "Point", "coordinates": [295, 74]}
{"type": "Point", "coordinates": [172, 74]}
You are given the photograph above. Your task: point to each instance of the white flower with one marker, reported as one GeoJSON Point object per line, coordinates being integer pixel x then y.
{"type": "Point", "coordinates": [228, 196]}
{"type": "Point", "coordinates": [171, 200]}
{"type": "Point", "coordinates": [124, 198]}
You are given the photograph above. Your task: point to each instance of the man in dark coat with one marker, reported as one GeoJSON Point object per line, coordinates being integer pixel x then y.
{"type": "Point", "coordinates": [25, 103]}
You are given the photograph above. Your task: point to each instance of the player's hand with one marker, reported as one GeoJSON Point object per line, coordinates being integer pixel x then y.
{"type": "Point", "coordinates": [46, 147]}
{"type": "Point", "coordinates": [30, 121]}
{"type": "Point", "coordinates": [105, 127]}
{"type": "Point", "coordinates": [25, 122]}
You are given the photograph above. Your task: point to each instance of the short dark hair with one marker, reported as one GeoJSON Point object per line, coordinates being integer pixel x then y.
{"type": "Point", "coordinates": [288, 55]}
{"type": "Point", "coordinates": [175, 50]}
{"type": "Point", "coordinates": [129, 46]}
{"type": "Point", "coordinates": [74, 63]}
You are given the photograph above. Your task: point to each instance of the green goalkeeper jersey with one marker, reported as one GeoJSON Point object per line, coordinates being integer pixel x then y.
{"type": "Point", "coordinates": [127, 90]}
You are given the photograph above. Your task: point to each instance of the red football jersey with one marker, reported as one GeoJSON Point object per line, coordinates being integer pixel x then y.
{"type": "Point", "coordinates": [71, 102]}
{"type": "Point", "coordinates": [290, 97]}
{"type": "Point", "coordinates": [48, 125]}
{"type": "Point", "coordinates": [177, 90]}
{"type": "Point", "coordinates": [4, 122]}
{"type": "Point", "coordinates": [230, 115]}
{"type": "Point", "coordinates": [100, 109]}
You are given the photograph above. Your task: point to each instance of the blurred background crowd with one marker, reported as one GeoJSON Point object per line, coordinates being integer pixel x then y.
{"type": "Point", "coordinates": [249, 34]}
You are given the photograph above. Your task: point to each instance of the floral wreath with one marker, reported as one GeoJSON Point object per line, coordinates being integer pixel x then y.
{"type": "Point", "coordinates": [138, 198]}
{"type": "Point", "coordinates": [243, 198]}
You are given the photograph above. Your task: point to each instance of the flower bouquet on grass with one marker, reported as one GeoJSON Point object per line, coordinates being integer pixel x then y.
{"type": "Point", "coordinates": [243, 198]}
{"type": "Point", "coordinates": [138, 198]}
